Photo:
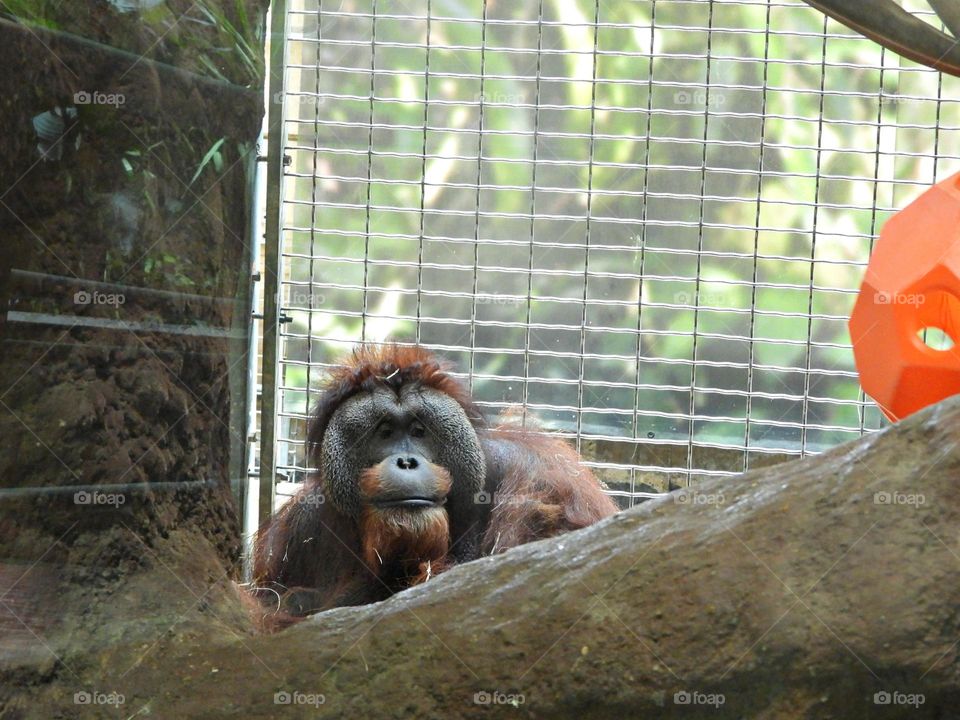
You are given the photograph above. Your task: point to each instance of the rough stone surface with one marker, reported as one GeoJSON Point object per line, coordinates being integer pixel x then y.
{"type": "Point", "coordinates": [798, 591]}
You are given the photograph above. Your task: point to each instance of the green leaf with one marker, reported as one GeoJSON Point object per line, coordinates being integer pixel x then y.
{"type": "Point", "coordinates": [206, 159]}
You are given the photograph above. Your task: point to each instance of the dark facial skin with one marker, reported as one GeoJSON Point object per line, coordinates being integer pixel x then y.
{"type": "Point", "coordinates": [406, 480]}
{"type": "Point", "coordinates": [425, 448]}
{"type": "Point", "coordinates": [406, 476]}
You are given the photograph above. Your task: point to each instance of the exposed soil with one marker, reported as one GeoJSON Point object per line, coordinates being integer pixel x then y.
{"type": "Point", "coordinates": [124, 281]}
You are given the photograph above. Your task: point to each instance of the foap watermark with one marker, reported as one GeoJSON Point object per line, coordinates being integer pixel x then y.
{"type": "Point", "coordinates": [310, 499]}
{"type": "Point", "coordinates": [84, 297]}
{"type": "Point", "coordinates": [295, 697]}
{"type": "Point", "coordinates": [701, 298]}
{"type": "Point", "coordinates": [496, 299]}
{"type": "Point", "coordinates": [693, 697]}
{"type": "Point", "coordinates": [498, 98]}
{"type": "Point", "coordinates": [290, 99]}
{"type": "Point", "coordinates": [898, 100]}
{"type": "Point", "coordinates": [95, 697]}
{"type": "Point", "coordinates": [483, 498]}
{"type": "Point", "coordinates": [698, 97]}
{"type": "Point", "coordinates": [495, 697]}
{"type": "Point", "coordinates": [899, 498]}
{"type": "Point", "coordinates": [95, 97]}
{"type": "Point", "coordinates": [896, 697]}
{"type": "Point", "coordinates": [689, 496]}
{"type": "Point", "coordinates": [305, 298]}
{"type": "Point", "coordinates": [84, 497]}
{"type": "Point", "coordinates": [888, 298]}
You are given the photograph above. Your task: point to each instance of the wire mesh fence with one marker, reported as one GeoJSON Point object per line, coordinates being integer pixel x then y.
{"type": "Point", "coordinates": [640, 224]}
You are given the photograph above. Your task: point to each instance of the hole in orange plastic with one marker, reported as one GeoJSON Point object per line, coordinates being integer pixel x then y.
{"type": "Point", "coordinates": [938, 319]}
{"type": "Point", "coordinates": [935, 338]}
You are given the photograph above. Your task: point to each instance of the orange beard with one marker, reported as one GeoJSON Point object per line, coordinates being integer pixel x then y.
{"type": "Point", "coordinates": [407, 544]}
{"type": "Point", "coordinates": [413, 541]}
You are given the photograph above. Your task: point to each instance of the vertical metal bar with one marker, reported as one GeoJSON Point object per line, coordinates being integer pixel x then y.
{"type": "Point", "coordinates": [813, 243]}
{"type": "Point", "coordinates": [423, 168]}
{"type": "Point", "coordinates": [756, 248]}
{"type": "Point", "coordinates": [643, 243]}
{"type": "Point", "coordinates": [366, 228]}
{"type": "Point", "coordinates": [586, 240]}
{"type": "Point", "coordinates": [250, 503]}
{"type": "Point", "coordinates": [314, 198]}
{"type": "Point", "coordinates": [700, 230]}
{"type": "Point", "coordinates": [936, 145]}
{"type": "Point", "coordinates": [533, 216]}
{"type": "Point", "coordinates": [276, 133]}
{"type": "Point", "coordinates": [936, 126]}
{"type": "Point", "coordinates": [476, 223]}
{"type": "Point", "coordinates": [861, 395]}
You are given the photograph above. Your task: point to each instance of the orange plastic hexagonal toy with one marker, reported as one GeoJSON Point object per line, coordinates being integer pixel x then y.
{"type": "Point", "coordinates": [911, 290]}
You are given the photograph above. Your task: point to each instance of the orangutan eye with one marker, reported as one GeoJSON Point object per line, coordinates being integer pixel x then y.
{"type": "Point", "coordinates": [384, 430]}
{"type": "Point", "coordinates": [417, 430]}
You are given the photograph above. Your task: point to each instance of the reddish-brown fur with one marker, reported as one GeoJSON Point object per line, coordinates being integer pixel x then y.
{"type": "Point", "coordinates": [545, 491]}
{"type": "Point", "coordinates": [411, 543]}
{"type": "Point", "coordinates": [542, 491]}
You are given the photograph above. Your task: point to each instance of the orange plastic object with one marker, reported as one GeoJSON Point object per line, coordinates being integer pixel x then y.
{"type": "Point", "coordinates": [912, 289]}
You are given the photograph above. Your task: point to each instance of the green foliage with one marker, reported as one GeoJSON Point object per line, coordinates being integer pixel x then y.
{"type": "Point", "coordinates": [214, 156]}
{"type": "Point", "coordinates": [166, 270]}
{"type": "Point", "coordinates": [43, 13]}
{"type": "Point", "coordinates": [681, 233]}
{"type": "Point", "coordinates": [711, 260]}
{"type": "Point", "coordinates": [235, 52]}
{"type": "Point", "coordinates": [218, 38]}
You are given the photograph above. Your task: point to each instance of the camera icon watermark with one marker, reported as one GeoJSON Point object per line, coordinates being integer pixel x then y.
{"type": "Point", "coordinates": [896, 697]}
{"type": "Point", "coordinates": [701, 298]}
{"type": "Point", "coordinates": [496, 299]}
{"type": "Point", "coordinates": [499, 98]}
{"type": "Point", "coordinates": [302, 99]}
{"type": "Point", "coordinates": [312, 499]}
{"type": "Point", "coordinates": [83, 497]}
{"type": "Point", "coordinates": [295, 697]}
{"type": "Point", "coordinates": [688, 697]}
{"type": "Point", "coordinates": [899, 298]}
{"type": "Point", "coordinates": [495, 697]}
{"type": "Point", "coordinates": [302, 298]}
{"type": "Point", "coordinates": [699, 97]}
{"type": "Point", "coordinates": [898, 498]}
{"type": "Point", "coordinates": [897, 100]}
{"type": "Point", "coordinates": [85, 697]}
{"type": "Point", "coordinates": [482, 498]}
{"type": "Point", "coordinates": [689, 496]}
{"type": "Point", "coordinates": [95, 97]}
{"type": "Point", "coordinates": [85, 297]}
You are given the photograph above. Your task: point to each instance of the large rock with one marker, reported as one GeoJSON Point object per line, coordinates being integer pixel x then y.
{"type": "Point", "coordinates": [816, 589]}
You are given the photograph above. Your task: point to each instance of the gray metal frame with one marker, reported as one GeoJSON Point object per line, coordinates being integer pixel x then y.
{"type": "Point", "coordinates": [351, 127]}
{"type": "Point", "coordinates": [271, 274]}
